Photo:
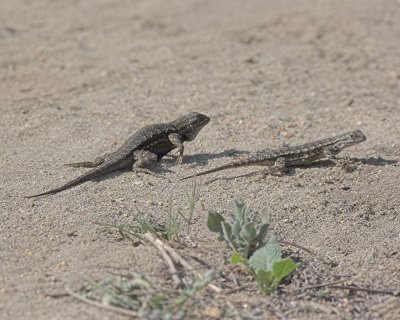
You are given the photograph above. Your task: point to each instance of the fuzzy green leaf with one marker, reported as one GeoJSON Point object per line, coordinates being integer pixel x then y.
{"type": "Point", "coordinates": [264, 279]}
{"type": "Point", "coordinates": [262, 234]}
{"type": "Point", "coordinates": [248, 232]}
{"type": "Point", "coordinates": [236, 258]}
{"type": "Point", "coordinates": [265, 257]}
{"type": "Point", "coordinates": [282, 268]}
{"type": "Point", "coordinates": [227, 234]}
{"type": "Point", "coordinates": [214, 220]}
{"type": "Point", "coordinates": [240, 213]}
{"type": "Point", "coordinates": [266, 216]}
{"type": "Point", "coordinates": [236, 227]}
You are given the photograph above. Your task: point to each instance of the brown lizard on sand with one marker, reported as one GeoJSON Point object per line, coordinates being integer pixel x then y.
{"type": "Point", "coordinates": [142, 149]}
{"type": "Point", "coordinates": [278, 160]}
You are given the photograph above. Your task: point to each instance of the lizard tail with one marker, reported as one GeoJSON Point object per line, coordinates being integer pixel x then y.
{"type": "Point", "coordinates": [48, 192]}
{"type": "Point", "coordinates": [224, 167]}
{"type": "Point", "coordinates": [92, 174]}
{"type": "Point", "coordinates": [66, 186]}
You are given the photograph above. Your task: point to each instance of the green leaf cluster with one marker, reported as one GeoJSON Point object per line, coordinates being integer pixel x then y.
{"type": "Point", "coordinates": [262, 258]}
{"type": "Point", "coordinates": [240, 233]}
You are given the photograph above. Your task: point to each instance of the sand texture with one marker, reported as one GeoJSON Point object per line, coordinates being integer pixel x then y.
{"type": "Point", "coordinates": [79, 77]}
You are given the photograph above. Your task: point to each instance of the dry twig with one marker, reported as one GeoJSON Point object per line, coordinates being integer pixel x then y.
{"type": "Point", "coordinates": [157, 242]}
{"type": "Point", "coordinates": [160, 246]}
{"type": "Point", "coordinates": [390, 292]}
{"type": "Point", "coordinates": [297, 246]}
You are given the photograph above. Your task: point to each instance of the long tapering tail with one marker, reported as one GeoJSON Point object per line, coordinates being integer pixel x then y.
{"type": "Point", "coordinates": [92, 174]}
{"type": "Point", "coordinates": [223, 167]}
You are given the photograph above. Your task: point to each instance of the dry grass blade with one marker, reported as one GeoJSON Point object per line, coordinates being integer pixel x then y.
{"type": "Point", "coordinates": [103, 306]}
{"type": "Point", "coordinates": [321, 285]}
{"type": "Point", "coordinates": [297, 246]}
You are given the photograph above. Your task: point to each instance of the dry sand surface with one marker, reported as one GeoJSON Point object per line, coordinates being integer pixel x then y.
{"type": "Point", "coordinates": [78, 77]}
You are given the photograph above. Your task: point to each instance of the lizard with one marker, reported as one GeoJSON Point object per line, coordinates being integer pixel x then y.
{"type": "Point", "coordinates": [281, 159]}
{"type": "Point", "coordinates": [142, 149]}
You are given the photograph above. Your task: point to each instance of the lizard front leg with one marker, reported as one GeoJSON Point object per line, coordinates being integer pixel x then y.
{"type": "Point", "coordinates": [177, 140]}
{"type": "Point", "coordinates": [345, 163]}
{"type": "Point", "coordinates": [330, 155]}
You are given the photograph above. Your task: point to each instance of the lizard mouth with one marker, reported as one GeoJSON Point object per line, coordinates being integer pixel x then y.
{"type": "Point", "coordinates": [202, 120]}
{"type": "Point", "coordinates": [199, 121]}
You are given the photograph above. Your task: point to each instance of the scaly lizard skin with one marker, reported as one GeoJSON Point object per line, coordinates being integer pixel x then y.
{"type": "Point", "coordinates": [142, 149]}
{"type": "Point", "coordinates": [279, 160]}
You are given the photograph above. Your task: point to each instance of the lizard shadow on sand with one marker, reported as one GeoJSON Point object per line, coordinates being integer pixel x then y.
{"type": "Point", "coordinates": [375, 161]}
{"type": "Point", "coordinates": [168, 162]}
{"type": "Point", "coordinates": [368, 161]}
{"type": "Point", "coordinates": [204, 158]}
{"type": "Point", "coordinates": [371, 161]}
{"type": "Point", "coordinates": [291, 171]}
{"type": "Point", "coordinates": [164, 166]}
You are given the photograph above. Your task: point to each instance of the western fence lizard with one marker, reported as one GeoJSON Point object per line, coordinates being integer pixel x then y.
{"type": "Point", "coordinates": [279, 160]}
{"type": "Point", "coordinates": [142, 149]}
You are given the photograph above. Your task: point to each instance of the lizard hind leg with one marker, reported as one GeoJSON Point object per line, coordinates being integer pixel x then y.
{"type": "Point", "coordinates": [143, 159]}
{"type": "Point", "coordinates": [278, 168]}
{"type": "Point", "coordinates": [87, 164]}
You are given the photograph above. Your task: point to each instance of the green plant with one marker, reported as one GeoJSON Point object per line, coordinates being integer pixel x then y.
{"type": "Point", "coordinates": [136, 292]}
{"type": "Point", "coordinates": [140, 226]}
{"type": "Point", "coordinates": [172, 225]}
{"type": "Point", "coordinates": [262, 258]}
{"type": "Point", "coordinates": [171, 229]}
{"type": "Point", "coordinates": [192, 198]}
{"type": "Point", "coordinates": [240, 234]}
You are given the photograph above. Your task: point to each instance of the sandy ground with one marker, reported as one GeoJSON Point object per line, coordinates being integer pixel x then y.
{"type": "Point", "coordinates": [78, 77]}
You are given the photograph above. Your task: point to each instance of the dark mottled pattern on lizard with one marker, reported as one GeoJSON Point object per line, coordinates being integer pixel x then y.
{"type": "Point", "coordinates": [279, 160]}
{"type": "Point", "coordinates": [142, 149]}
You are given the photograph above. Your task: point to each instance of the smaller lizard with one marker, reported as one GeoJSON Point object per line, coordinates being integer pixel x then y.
{"type": "Point", "coordinates": [142, 149]}
{"type": "Point", "coordinates": [279, 160]}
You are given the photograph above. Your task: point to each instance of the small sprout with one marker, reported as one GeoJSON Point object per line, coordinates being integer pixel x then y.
{"type": "Point", "coordinates": [240, 234]}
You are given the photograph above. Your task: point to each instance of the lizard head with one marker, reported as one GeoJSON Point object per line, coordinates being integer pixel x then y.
{"type": "Point", "coordinates": [190, 124]}
{"type": "Point", "coordinates": [350, 138]}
